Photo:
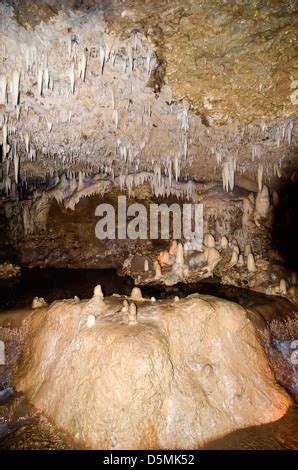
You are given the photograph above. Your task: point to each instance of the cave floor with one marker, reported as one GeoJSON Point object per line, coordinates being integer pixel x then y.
{"type": "Point", "coordinates": [28, 429]}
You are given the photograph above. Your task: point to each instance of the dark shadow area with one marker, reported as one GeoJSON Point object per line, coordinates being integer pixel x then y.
{"type": "Point", "coordinates": [285, 225]}
{"type": "Point", "coordinates": [277, 435]}
{"type": "Point", "coordinates": [58, 284]}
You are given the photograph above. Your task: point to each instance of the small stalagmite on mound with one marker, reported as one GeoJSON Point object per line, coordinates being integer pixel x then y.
{"type": "Point", "coordinates": [136, 294]}
{"type": "Point", "coordinates": [132, 314]}
{"type": "Point", "coordinates": [157, 268]}
{"type": "Point", "coordinates": [234, 259]}
{"type": "Point", "coordinates": [96, 304]}
{"type": "Point", "coordinates": [97, 293]}
{"type": "Point", "coordinates": [39, 302]}
{"type": "Point", "coordinates": [251, 266]}
{"type": "Point", "coordinates": [223, 242]}
{"type": "Point", "coordinates": [91, 320]}
{"type": "Point", "coordinates": [209, 241]}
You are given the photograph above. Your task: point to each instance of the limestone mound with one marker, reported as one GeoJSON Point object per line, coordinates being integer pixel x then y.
{"type": "Point", "coordinates": [186, 373]}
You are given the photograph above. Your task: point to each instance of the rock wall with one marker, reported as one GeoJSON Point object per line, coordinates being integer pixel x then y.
{"type": "Point", "coordinates": [44, 231]}
{"type": "Point", "coordinates": [186, 372]}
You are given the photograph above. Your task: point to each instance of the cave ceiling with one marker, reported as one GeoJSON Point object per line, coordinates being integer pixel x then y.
{"type": "Point", "coordinates": [121, 87]}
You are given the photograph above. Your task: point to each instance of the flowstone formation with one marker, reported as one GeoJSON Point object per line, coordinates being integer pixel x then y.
{"type": "Point", "coordinates": [184, 371]}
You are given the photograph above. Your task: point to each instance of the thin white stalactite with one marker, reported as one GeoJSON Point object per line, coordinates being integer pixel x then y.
{"type": "Point", "coordinates": [40, 81]}
{"type": "Point", "coordinates": [83, 66]}
{"type": "Point", "coordinates": [15, 87]}
{"type": "Point", "coordinates": [71, 75]}
{"type": "Point", "coordinates": [3, 89]}
{"type": "Point", "coordinates": [260, 176]}
{"type": "Point", "coordinates": [16, 161]}
{"type": "Point", "coordinates": [46, 77]}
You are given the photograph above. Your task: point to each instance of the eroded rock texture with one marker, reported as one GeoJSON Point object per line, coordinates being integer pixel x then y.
{"type": "Point", "coordinates": [186, 372]}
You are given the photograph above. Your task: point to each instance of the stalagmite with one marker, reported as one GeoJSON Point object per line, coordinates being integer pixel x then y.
{"type": "Point", "coordinates": [146, 265]}
{"type": "Point", "coordinates": [248, 208]}
{"type": "Point", "coordinates": [39, 302]}
{"type": "Point", "coordinates": [98, 292]}
{"type": "Point", "coordinates": [136, 294]}
{"type": "Point", "coordinates": [176, 298]}
{"type": "Point", "coordinates": [251, 263]}
{"type": "Point", "coordinates": [15, 87]}
{"type": "Point", "coordinates": [235, 247]}
{"type": "Point", "coordinates": [234, 259]}
{"type": "Point", "coordinates": [180, 255]}
{"type": "Point", "coordinates": [262, 205]}
{"type": "Point", "coordinates": [132, 314]}
{"type": "Point", "coordinates": [125, 306]}
{"type": "Point", "coordinates": [153, 299]}
{"type": "Point", "coordinates": [209, 240]}
{"type": "Point", "coordinates": [173, 248]}
{"type": "Point", "coordinates": [223, 242]}
{"type": "Point", "coordinates": [157, 268]}
{"type": "Point", "coordinates": [213, 259]}
{"type": "Point", "coordinates": [283, 287]}
{"type": "Point", "coordinates": [240, 261]}
{"type": "Point", "coordinates": [91, 320]}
